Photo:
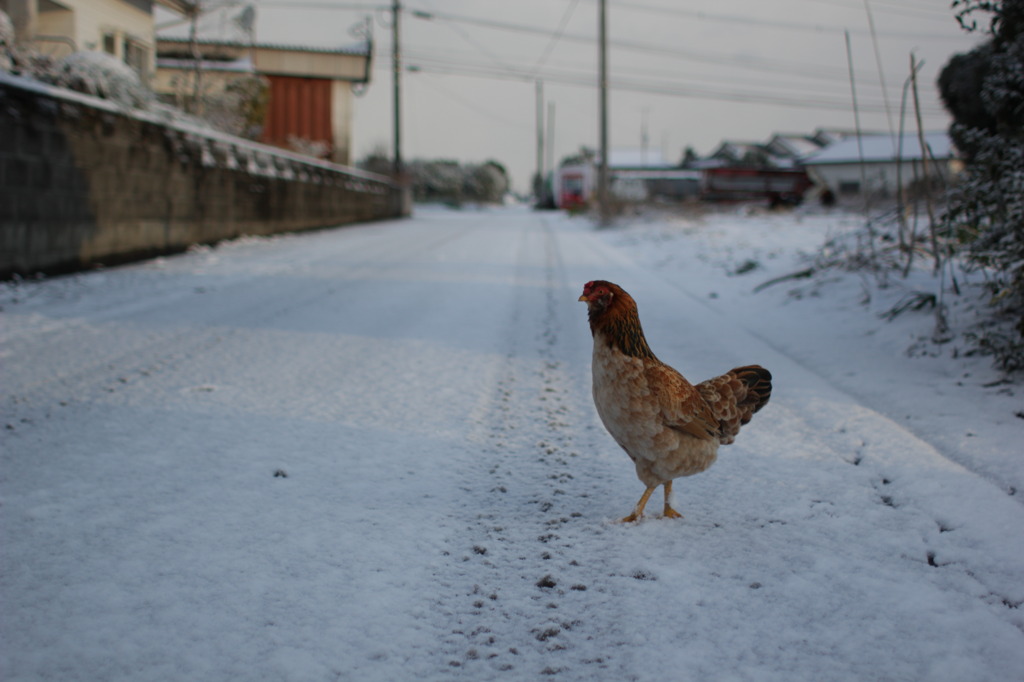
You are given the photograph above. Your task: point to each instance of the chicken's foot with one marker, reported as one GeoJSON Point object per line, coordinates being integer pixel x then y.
{"type": "Point", "coordinates": [638, 511]}
{"type": "Point", "coordinates": [669, 512]}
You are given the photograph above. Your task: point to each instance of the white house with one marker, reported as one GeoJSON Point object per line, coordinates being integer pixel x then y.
{"type": "Point", "coordinates": [877, 164]}
{"type": "Point", "coordinates": [123, 28]}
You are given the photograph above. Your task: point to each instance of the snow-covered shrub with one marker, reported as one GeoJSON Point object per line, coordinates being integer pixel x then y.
{"type": "Point", "coordinates": [6, 31]}
{"type": "Point", "coordinates": [6, 41]}
{"type": "Point", "coordinates": [102, 75]}
{"type": "Point", "coordinates": [437, 181]}
{"type": "Point", "coordinates": [318, 149]}
{"type": "Point", "coordinates": [452, 183]}
{"type": "Point", "coordinates": [377, 161]}
{"type": "Point", "coordinates": [984, 91]}
{"type": "Point", "coordinates": [247, 99]}
{"type": "Point", "coordinates": [485, 183]}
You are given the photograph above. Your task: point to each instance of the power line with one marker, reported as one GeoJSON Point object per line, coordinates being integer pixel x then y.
{"type": "Point", "coordinates": [773, 66]}
{"type": "Point", "coordinates": [769, 65]}
{"type": "Point", "coordinates": [773, 23]}
{"type": "Point", "coordinates": [474, 105]}
{"type": "Point", "coordinates": [822, 102]}
{"type": "Point", "coordinates": [580, 73]}
{"type": "Point", "coordinates": [466, 37]}
{"type": "Point", "coordinates": [637, 82]}
{"type": "Point", "coordinates": [925, 10]}
{"type": "Point", "coordinates": [557, 36]}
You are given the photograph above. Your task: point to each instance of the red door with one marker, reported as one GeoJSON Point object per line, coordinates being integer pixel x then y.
{"type": "Point", "coordinates": [299, 108]}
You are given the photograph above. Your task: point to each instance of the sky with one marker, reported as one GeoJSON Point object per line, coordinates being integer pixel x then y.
{"type": "Point", "coordinates": [682, 74]}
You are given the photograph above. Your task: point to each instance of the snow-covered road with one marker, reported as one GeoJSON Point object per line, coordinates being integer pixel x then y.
{"type": "Point", "coordinates": [371, 454]}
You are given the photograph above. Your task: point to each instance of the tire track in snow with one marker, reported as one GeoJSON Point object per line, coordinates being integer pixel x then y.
{"type": "Point", "coordinates": [516, 594]}
{"type": "Point", "coordinates": [159, 326]}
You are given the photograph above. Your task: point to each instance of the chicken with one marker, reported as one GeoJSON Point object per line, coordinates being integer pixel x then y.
{"type": "Point", "coordinates": [668, 427]}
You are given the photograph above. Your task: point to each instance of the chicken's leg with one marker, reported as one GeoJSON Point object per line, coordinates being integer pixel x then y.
{"type": "Point", "coordinates": [669, 512]}
{"type": "Point", "coordinates": [638, 512]}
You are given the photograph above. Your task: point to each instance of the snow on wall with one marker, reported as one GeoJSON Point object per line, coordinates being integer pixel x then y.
{"type": "Point", "coordinates": [89, 180]}
{"type": "Point", "coordinates": [254, 155]}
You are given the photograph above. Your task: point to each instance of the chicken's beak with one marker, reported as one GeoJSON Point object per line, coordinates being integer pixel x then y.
{"type": "Point", "coordinates": [583, 297]}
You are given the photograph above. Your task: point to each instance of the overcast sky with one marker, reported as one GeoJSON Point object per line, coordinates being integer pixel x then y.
{"type": "Point", "coordinates": [689, 73]}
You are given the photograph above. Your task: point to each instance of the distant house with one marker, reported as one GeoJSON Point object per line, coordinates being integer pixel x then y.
{"type": "Point", "coordinates": [876, 164]}
{"type": "Point", "coordinates": [644, 174]}
{"type": "Point", "coordinates": [309, 106]}
{"type": "Point", "coordinates": [745, 171]}
{"type": "Point", "coordinates": [778, 186]}
{"type": "Point", "coordinates": [731, 153]}
{"type": "Point", "coordinates": [635, 175]}
{"type": "Point", "coordinates": [123, 28]}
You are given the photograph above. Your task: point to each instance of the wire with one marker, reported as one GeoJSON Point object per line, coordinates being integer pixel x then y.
{"type": "Point", "coordinates": [833, 103]}
{"type": "Point", "coordinates": [926, 10]}
{"type": "Point", "coordinates": [762, 23]}
{"type": "Point", "coordinates": [626, 79]}
{"type": "Point", "coordinates": [474, 106]}
{"type": "Point", "coordinates": [466, 37]}
{"type": "Point", "coordinates": [760, 65]}
{"type": "Point", "coordinates": [559, 32]}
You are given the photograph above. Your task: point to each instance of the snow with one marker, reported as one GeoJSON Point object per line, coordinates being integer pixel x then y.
{"type": "Point", "coordinates": [371, 454]}
{"type": "Point", "coordinates": [191, 135]}
{"type": "Point", "coordinates": [882, 148]}
{"type": "Point", "coordinates": [103, 75]}
{"type": "Point", "coordinates": [6, 30]}
{"type": "Point", "coordinates": [638, 158]}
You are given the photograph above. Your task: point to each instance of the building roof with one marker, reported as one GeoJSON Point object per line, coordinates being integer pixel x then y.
{"type": "Point", "coordinates": [734, 150]}
{"type": "Point", "coordinates": [361, 49]}
{"type": "Point", "coordinates": [878, 148]}
{"type": "Point", "coordinates": [638, 158]}
{"type": "Point", "coordinates": [341, 64]}
{"type": "Point", "coordinates": [180, 6]}
{"type": "Point", "coordinates": [243, 65]}
{"type": "Point", "coordinates": [794, 145]}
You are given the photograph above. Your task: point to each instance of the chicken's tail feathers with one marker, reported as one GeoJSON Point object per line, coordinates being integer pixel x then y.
{"type": "Point", "coordinates": [758, 381]}
{"type": "Point", "coordinates": [735, 396]}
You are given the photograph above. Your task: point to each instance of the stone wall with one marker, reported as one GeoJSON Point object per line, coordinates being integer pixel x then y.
{"type": "Point", "coordinates": [84, 182]}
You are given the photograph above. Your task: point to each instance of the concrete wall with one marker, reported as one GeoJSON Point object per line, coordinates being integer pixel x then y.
{"type": "Point", "coordinates": [83, 182]}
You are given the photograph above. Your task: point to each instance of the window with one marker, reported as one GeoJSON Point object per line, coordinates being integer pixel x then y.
{"type": "Point", "coordinates": [137, 56]}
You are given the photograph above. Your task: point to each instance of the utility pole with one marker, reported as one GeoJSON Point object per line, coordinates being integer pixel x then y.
{"type": "Point", "coordinates": [538, 183]}
{"type": "Point", "coordinates": [924, 166]}
{"type": "Point", "coordinates": [602, 169]}
{"type": "Point", "coordinates": [550, 141]}
{"type": "Point", "coordinates": [644, 138]}
{"type": "Point", "coordinates": [881, 71]}
{"type": "Point", "coordinates": [196, 105]}
{"type": "Point", "coordinates": [396, 67]}
{"type": "Point", "coordinates": [860, 137]}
